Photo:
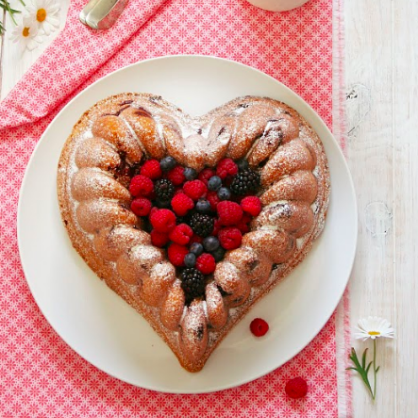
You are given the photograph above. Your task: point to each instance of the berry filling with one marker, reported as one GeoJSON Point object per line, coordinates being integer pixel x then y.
{"type": "Point", "coordinates": [195, 216]}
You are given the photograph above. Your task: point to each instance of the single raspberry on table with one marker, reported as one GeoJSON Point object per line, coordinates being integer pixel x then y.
{"type": "Point", "coordinates": [141, 186]}
{"type": "Point", "coordinates": [230, 238]}
{"type": "Point", "coordinates": [176, 175]}
{"type": "Point", "coordinates": [141, 206]}
{"type": "Point", "coordinates": [259, 327]}
{"type": "Point", "coordinates": [159, 239]}
{"type": "Point", "coordinates": [151, 169]}
{"type": "Point", "coordinates": [205, 263]}
{"type": "Point", "coordinates": [213, 199]}
{"type": "Point", "coordinates": [195, 189]}
{"type": "Point", "coordinates": [296, 388]}
{"type": "Point", "coordinates": [181, 234]}
{"type": "Point", "coordinates": [225, 168]}
{"type": "Point", "coordinates": [251, 205]}
{"type": "Point", "coordinates": [205, 175]}
{"type": "Point", "coordinates": [176, 254]}
{"type": "Point", "coordinates": [181, 204]}
{"type": "Point", "coordinates": [229, 213]}
{"type": "Point", "coordinates": [163, 220]}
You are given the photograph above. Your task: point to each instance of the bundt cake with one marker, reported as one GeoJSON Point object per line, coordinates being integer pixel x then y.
{"type": "Point", "coordinates": [192, 219]}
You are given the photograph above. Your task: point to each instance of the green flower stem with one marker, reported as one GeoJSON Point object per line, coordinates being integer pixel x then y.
{"type": "Point", "coordinates": [374, 369]}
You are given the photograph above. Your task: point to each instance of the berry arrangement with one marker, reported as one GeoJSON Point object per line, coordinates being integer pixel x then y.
{"type": "Point", "coordinates": [196, 217]}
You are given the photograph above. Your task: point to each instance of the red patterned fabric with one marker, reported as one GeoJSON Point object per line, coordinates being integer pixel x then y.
{"type": "Point", "coordinates": [40, 376]}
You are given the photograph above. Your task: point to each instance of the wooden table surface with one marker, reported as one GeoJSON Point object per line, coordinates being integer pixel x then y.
{"type": "Point", "coordinates": [381, 85]}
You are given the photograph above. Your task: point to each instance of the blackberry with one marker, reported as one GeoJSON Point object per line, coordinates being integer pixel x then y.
{"type": "Point", "coordinates": [164, 190]}
{"type": "Point", "coordinates": [192, 283]}
{"type": "Point", "coordinates": [245, 181]}
{"type": "Point", "coordinates": [201, 224]}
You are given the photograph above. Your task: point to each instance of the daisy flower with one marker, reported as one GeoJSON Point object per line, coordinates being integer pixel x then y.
{"type": "Point", "coordinates": [45, 13]}
{"type": "Point", "coordinates": [373, 327]}
{"type": "Point", "coordinates": [26, 33]}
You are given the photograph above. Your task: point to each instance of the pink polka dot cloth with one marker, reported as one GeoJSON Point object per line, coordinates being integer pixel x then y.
{"type": "Point", "coordinates": [40, 376]}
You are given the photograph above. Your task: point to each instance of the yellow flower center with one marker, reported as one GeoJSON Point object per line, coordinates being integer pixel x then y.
{"type": "Point", "coordinates": [41, 15]}
{"type": "Point", "coordinates": [25, 32]}
{"type": "Point", "coordinates": [374, 333]}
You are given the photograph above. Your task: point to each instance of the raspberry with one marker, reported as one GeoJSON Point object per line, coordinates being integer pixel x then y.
{"type": "Point", "coordinates": [216, 227]}
{"type": "Point", "coordinates": [181, 234]}
{"type": "Point", "coordinates": [213, 199]}
{"type": "Point", "coordinates": [296, 388]}
{"type": "Point", "coordinates": [141, 186]}
{"type": "Point", "coordinates": [176, 175]}
{"type": "Point", "coordinates": [151, 169]}
{"type": "Point", "coordinates": [205, 175]}
{"type": "Point", "coordinates": [141, 206]}
{"type": "Point", "coordinates": [230, 213]}
{"type": "Point", "coordinates": [163, 220]}
{"type": "Point", "coordinates": [205, 263]}
{"type": "Point", "coordinates": [195, 189]}
{"type": "Point", "coordinates": [251, 205]}
{"type": "Point", "coordinates": [259, 327]}
{"type": "Point", "coordinates": [243, 227]}
{"type": "Point", "coordinates": [159, 239]}
{"type": "Point", "coordinates": [176, 254]}
{"type": "Point", "coordinates": [181, 204]}
{"type": "Point", "coordinates": [230, 238]}
{"type": "Point", "coordinates": [225, 168]}
{"type": "Point", "coordinates": [196, 238]}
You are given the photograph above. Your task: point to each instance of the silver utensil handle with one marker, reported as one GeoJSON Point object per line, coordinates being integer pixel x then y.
{"type": "Point", "coordinates": [102, 14]}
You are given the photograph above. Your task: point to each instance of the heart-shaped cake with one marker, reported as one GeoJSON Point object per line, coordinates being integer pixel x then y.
{"type": "Point", "coordinates": [191, 220]}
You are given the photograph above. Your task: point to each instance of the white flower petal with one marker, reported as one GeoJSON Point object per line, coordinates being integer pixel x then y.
{"type": "Point", "coordinates": [373, 327]}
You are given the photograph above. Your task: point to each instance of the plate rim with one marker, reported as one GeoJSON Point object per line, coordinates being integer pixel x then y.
{"type": "Point", "coordinates": [351, 191]}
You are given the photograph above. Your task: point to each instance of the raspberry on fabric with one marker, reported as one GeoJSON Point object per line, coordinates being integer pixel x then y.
{"type": "Point", "coordinates": [195, 189]}
{"type": "Point", "coordinates": [163, 220]}
{"type": "Point", "coordinates": [226, 167]}
{"type": "Point", "coordinates": [159, 239]}
{"type": "Point", "coordinates": [141, 206]}
{"type": "Point", "coordinates": [229, 213]}
{"type": "Point", "coordinates": [176, 254]}
{"type": "Point", "coordinates": [151, 169]}
{"type": "Point", "coordinates": [176, 175]}
{"type": "Point", "coordinates": [141, 186]}
{"type": "Point", "coordinates": [205, 175]}
{"type": "Point", "coordinates": [181, 234]}
{"type": "Point", "coordinates": [205, 263]}
{"type": "Point", "coordinates": [296, 388]}
{"type": "Point", "coordinates": [230, 238]}
{"type": "Point", "coordinates": [213, 199]}
{"type": "Point", "coordinates": [251, 205]}
{"type": "Point", "coordinates": [259, 327]}
{"type": "Point", "coordinates": [181, 204]}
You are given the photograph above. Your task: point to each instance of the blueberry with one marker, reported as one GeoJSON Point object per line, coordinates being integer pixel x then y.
{"type": "Point", "coordinates": [242, 164]}
{"type": "Point", "coordinates": [214, 183]}
{"type": "Point", "coordinates": [211, 244]}
{"type": "Point", "coordinates": [190, 173]}
{"type": "Point", "coordinates": [224, 193]}
{"type": "Point", "coordinates": [203, 206]}
{"type": "Point", "coordinates": [218, 254]}
{"type": "Point", "coordinates": [167, 163]}
{"type": "Point", "coordinates": [190, 260]}
{"type": "Point", "coordinates": [196, 248]}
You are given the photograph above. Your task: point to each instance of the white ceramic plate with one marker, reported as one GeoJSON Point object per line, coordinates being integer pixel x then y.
{"type": "Point", "coordinates": [107, 332]}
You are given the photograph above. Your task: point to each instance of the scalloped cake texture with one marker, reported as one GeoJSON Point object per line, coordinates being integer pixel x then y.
{"type": "Point", "coordinates": [93, 177]}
